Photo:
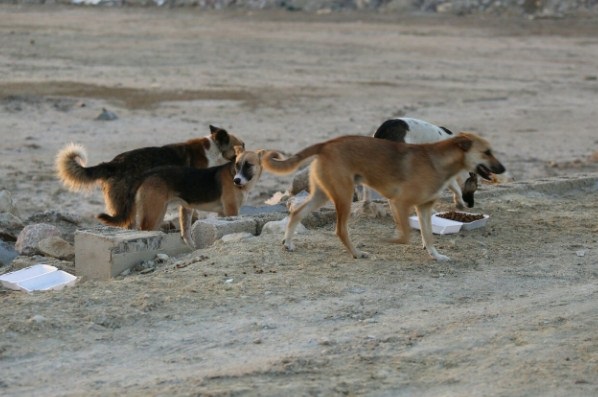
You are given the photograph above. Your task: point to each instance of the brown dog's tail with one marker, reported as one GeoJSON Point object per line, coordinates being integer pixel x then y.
{"type": "Point", "coordinates": [272, 161]}
{"type": "Point", "coordinates": [70, 166]}
{"type": "Point", "coordinates": [123, 219]}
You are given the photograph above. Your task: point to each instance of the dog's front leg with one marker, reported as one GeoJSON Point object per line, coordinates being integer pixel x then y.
{"type": "Point", "coordinates": [185, 219]}
{"type": "Point", "coordinates": [457, 193]}
{"type": "Point", "coordinates": [424, 214]}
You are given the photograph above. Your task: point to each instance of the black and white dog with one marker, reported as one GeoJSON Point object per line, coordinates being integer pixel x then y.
{"type": "Point", "coordinates": [410, 130]}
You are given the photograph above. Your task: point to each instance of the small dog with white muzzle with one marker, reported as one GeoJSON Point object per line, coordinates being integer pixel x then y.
{"type": "Point", "coordinates": [221, 189]}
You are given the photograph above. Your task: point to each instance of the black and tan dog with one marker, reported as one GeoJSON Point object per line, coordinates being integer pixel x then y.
{"type": "Point", "coordinates": [408, 175]}
{"type": "Point", "coordinates": [116, 177]}
{"type": "Point", "coordinates": [220, 189]}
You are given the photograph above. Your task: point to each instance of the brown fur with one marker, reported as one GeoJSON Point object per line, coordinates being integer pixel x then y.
{"type": "Point", "coordinates": [117, 176]}
{"type": "Point", "coordinates": [408, 175]}
{"type": "Point", "coordinates": [219, 189]}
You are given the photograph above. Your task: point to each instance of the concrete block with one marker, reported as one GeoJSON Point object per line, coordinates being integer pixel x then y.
{"type": "Point", "coordinates": [265, 214]}
{"type": "Point", "coordinates": [104, 252]}
{"type": "Point", "coordinates": [205, 232]}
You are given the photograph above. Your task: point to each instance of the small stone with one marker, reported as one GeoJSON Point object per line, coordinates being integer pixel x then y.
{"type": "Point", "coordinates": [38, 318]}
{"type": "Point", "coordinates": [106, 115]}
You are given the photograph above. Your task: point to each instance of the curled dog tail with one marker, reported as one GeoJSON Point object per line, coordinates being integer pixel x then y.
{"type": "Point", "coordinates": [124, 219]}
{"type": "Point", "coordinates": [273, 162]}
{"type": "Point", "coordinates": [70, 166]}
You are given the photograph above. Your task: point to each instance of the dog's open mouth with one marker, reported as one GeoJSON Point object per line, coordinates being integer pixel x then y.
{"type": "Point", "coordinates": [484, 172]}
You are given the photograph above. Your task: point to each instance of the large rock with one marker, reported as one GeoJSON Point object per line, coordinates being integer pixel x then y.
{"type": "Point", "coordinates": [56, 247]}
{"type": "Point", "coordinates": [31, 235]}
{"type": "Point", "coordinates": [66, 222]}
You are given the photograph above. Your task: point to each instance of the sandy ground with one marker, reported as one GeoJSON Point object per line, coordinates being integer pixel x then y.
{"type": "Point", "coordinates": [514, 313]}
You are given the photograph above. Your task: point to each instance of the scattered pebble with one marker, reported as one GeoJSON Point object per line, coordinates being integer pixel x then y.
{"type": "Point", "coordinates": [106, 115]}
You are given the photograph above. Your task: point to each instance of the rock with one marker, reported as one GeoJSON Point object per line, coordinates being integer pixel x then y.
{"type": "Point", "coordinates": [106, 115]}
{"type": "Point", "coordinates": [297, 199]}
{"type": "Point", "coordinates": [398, 6]}
{"type": "Point", "coordinates": [7, 254]}
{"type": "Point", "coordinates": [265, 214]}
{"type": "Point", "coordinates": [236, 237]}
{"type": "Point", "coordinates": [6, 203]}
{"type": "Point", "coordinates": [67, 223]}
{"type": "Point", "coordinates": [31, 235]}
{"type": "Point", "coordinates": [57, 247]}
{"type": "Point", "coordinates": [282, 197]}
{"type": "Point", "coordinates": [370, 209]}
{"type": "Point", "coordinates": [10, 226]}
{"type": "Point", "coordinates": [205, 232]}
{"type": "Point", "coordinates": [300, 182]}
{"type": "Point", "coordinates": [279, 227]}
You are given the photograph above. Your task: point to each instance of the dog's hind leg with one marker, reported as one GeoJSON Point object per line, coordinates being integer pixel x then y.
{"type": "Point", "coordinates": [400, 214]}
{"type": "Point", "coordinates": [424, 214]}
{"type": "Point", "coordinates": [343, 212]}
{"type": "Point", "coordinates": [317, 199]}
{"type": "Point", "coordinates": [185, 222]}
{"type": "Point", "coordinates": [152, 205]}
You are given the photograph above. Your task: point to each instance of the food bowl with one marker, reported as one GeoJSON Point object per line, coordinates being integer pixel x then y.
{"type": "Point", "coordinates": [442, 225]}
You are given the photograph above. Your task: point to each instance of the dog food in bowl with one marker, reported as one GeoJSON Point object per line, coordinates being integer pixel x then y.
{"type": "Point", "coordinates": [463, 217]}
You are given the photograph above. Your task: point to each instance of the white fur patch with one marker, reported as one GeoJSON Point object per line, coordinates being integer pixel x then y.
{"type": "Point", "coordinates": [213, 154]}
{"type": "Point", "coordinates": [421, 131]}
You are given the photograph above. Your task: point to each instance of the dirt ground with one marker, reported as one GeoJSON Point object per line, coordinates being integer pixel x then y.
{"type": "Point", "coordinates": [515, 312]}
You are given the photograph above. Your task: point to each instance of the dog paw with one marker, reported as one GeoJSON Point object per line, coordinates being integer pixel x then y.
{"type": "Point", "coordinates": [441, 258]}
{"type": "Point", "coordinates": [190, 242]}
{"type": "Point", "coordinates": [399, 240]}
{"type": "Point", "coordinates": [362, 255]}
{"type": "Point", "coordinates": [289, 246]}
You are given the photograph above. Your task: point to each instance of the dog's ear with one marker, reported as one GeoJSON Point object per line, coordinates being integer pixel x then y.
{"type": "Point", "coordinates": [260, 153]}
{"type": "Point", "coordinates": [239, 150]}
{"type": "Point", "coordinates": [220, 135]}
{"type": "Point", "coordinates": [464, 142]}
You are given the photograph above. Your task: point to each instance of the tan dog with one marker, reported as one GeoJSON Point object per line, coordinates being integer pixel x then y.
{"type": "Point", "coordinates": [408, 175]}
{"type": "Point", "coordinates": [118, 175]}
{"type": "Point", "coordinates": [221, 189]}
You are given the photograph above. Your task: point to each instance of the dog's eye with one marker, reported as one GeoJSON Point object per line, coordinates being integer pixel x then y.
{"type": "Point", "coordinates": [488, 152]}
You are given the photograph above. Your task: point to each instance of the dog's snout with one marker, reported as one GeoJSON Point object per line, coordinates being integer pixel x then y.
{"type": "Point", "coordinates": [498, 168]}
{"type": "Point", "coordinates": [237, 181]}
